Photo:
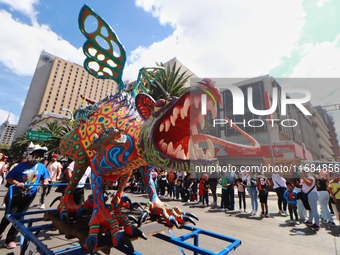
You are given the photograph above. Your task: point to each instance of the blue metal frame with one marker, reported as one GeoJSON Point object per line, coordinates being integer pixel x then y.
{"type": "Point", "coordinates": [18, 221]}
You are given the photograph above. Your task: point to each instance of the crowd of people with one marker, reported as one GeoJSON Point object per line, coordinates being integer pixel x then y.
{"type": "Point", "coordinates": [319, 188]}
{"type": "Point", "coordinates": [300, 195]}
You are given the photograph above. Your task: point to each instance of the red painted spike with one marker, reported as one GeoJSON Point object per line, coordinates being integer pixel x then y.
{"type": "Point", "coordinates": [110, 36]}
{"type": "Point", "coordinates": [119, 66]}
{"type": "Point", "coordinates": [119, 58]}
{"type": "Point", "coordinates": [100, 24]}
{"type": "Point", "coordinates": [91, 35]}
{"type": "Point", "coordinates": [110, 51]}
{"type": "Point", "coordinates": [114, 74]}
{"type": "Point", "coordinates": [85, 12]}
{"type": "Point", "coordinates": [101, 67]}
{"type": "Point", "coordinates": [91, 70]}
{"type": "Point", "coordinates": [105, 74]}
{"type": "Point", "coordinates": [104, 61]}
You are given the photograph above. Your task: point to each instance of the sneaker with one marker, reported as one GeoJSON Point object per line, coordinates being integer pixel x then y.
{"type": "Point", "coordinates": [214, 204]}
{"type": "Point", "coordinates": [3, 207]}
{"type": "Point", "coordinates": [204, 205]}
{"type": "Point", "coordinates": [308, 223]}
{"type": "Point", "coordinates": [296, 222]}
{"type": "Point", "coordinates": [323, 221]}
{"type": "Point", "coordinates": [316, 227]}
{"type": "Point", "coordinates": [239, 211]}
{"type": "Point", "coordinates": [254, 213]}
{"type": "Point", "coordinates": [11, 245]}
{"type": "Point", "coordinates": [266, 215]}
{"type": "Point", "coordinates": [330, 223]}
{"type": "Point", "coordinates": [245, 211]}
{"type": "Point", "coordinates": [262, 214]}
{"type": "Point", "coordinates": [42, 207]}
{"type": "Point", "coordinates": [222, 210]}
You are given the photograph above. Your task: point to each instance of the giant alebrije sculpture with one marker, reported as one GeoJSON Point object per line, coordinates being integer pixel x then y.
{"type": "Point", "coordinates": [123, 132]}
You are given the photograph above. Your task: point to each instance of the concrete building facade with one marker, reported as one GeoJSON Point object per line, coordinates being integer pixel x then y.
{"type": "Point", "coordinates": [56, 85]}
{"type": "Point", "coordinates": [303, 137]}
{"type": "Point", "coordinates": [7, 132]}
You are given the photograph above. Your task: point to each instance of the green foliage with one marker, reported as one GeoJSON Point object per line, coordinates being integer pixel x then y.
{"type": "Point", "coordinates": [58, 132]}
{"type": "Point", "coordinates": [20, 144]}
{"type": "Point", "coordinates": [171, 81]}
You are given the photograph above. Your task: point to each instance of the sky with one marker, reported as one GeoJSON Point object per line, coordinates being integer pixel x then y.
{"type": "Point", "coordinates": [215, 38]}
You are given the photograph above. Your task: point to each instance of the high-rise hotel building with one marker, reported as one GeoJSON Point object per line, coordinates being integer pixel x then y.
{"type": "Point", "coordinates": [57, 84]}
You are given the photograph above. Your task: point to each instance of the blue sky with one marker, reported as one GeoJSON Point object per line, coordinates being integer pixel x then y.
{"type": "Point", "coordinates": [216, 38]}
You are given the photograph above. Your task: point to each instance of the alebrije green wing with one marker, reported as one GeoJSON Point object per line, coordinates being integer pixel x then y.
{"type": "Point", "coordinates": [146, 76]}
{"type": "Point", "coordinates": [102, 60]}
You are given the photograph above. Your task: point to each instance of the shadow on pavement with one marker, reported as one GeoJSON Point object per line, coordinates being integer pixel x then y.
{"type": "Point", "coordinates": [303, 231]}
{"type": "Point", "coordinates": [334, 231]}
{"type": "Point", "coordinates": [249, 216]}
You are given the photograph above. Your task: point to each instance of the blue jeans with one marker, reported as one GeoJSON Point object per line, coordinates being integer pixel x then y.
{"type": "Point", "coordinates": [323, 201]}
{"type": "Point", "coordinates": [230, 198]}
{"type": "Point", "coordinates": [205, 197]}
{"type": "Point", "coordinates": [242, 197]}
{"type": "Point", "coordinates": [252, 191]}
{"type": "Point", "coordinates": [224, 203]}
{"type": "Point", "coordinates": [171, 189]}
{"type": "Point", "coordinates": [313, 198]}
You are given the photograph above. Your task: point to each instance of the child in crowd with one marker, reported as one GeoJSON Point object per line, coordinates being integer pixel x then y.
{"type": "Point", "coordinates": [205, 186]}
{"type": "Point", "coordinates": [291, 196]}
{"type": "Point", "coordinates": [241, 185]}
{"type": "Point", "coordinates": [262, 186]}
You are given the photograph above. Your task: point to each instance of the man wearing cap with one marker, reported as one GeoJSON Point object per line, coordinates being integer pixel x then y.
{"type": "Point", "coordinates": [23, 175]}
{"type": "Point", "coordinates": [54, 169]}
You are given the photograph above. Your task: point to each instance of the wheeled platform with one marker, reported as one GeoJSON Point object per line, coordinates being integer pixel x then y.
{"type": "Point", "coordinates": [31, 224]}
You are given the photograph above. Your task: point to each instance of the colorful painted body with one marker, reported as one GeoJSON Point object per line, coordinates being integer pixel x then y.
{"type": "Point", "coordinates": [121, 133]}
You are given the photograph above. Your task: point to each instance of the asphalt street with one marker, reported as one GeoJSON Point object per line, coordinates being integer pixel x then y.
{"type": "Point", "coordinates": [273, 235]}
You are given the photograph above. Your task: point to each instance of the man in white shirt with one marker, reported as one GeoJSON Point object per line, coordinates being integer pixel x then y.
{"type": "Point", "coordinates": [78, 196]}
{"type": "Point", "coordinates": [54, 169]}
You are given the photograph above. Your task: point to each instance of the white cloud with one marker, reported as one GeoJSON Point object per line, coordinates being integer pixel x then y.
{"type": "Point", "coordinates": [319, 60]}
{"type": "Point", "coordinates": [25, 7]}
{"type": "Point", "coordinates": [224, 38]}
{"type": "Point", "coordinates": [24, 43]}
{"type": "Point", "coordinates": [321, 2]}
{"type": "Point", "coordinates": [4, 115]}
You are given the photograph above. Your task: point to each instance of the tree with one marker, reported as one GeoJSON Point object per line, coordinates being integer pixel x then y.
{"type": "Point", "coordinates": [171, 81]}
{"type": "Point", "coordinates": [58, 132]}
{"type": "Point", "coordinates": [19, 145]}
